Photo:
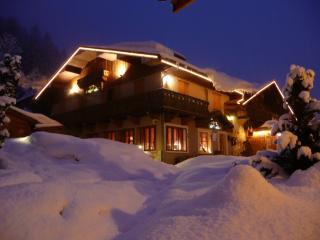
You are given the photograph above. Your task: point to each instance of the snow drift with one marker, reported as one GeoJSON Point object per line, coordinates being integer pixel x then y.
{"type": "Point", "coordinates": [61, 187]}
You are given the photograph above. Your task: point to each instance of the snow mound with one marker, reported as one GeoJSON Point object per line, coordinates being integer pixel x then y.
{"type": "Point", "coordinates": [243, 205]}
{"type": "Point", "coordinates": [60, 187]}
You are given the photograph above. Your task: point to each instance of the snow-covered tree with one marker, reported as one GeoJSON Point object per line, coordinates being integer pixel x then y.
{"type": "Point", "coordinates": [10, 73]}
{"type": "Point", "coordinates": [298, 142]}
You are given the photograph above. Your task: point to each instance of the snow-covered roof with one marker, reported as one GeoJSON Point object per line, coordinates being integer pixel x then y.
{"type": "Point", "coordinates": [148, 50]}
{"type": "Point", "coordinates": [42, 120]}
{"type": "Point", "coordinates": [151, 47]}
{"type": "Point", "coordinates": [153, 51]}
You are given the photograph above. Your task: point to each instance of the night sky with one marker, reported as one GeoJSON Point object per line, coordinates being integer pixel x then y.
{"type": "Point", "coordinates": [255, 40]}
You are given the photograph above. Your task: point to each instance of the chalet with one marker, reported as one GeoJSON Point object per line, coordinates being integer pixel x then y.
{"type": "Point", "coordinates": [143, 94]}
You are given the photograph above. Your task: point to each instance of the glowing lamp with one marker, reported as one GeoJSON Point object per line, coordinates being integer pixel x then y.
{"type": "Point", "coordinates": [74, 88]}
{"type": "Point", "coordinates": [230, 118]}
{"type": "Point", "coordinates": [121, 69]}
{"type": "Point", "coordinates": [167, 80]}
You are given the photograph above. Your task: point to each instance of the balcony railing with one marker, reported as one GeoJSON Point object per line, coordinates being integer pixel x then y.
{"type": "Point", "coordinates": [98, 105]}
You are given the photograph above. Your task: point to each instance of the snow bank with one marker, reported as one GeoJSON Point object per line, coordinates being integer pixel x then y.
{"type": "Point", "coordinates": [60, 187]}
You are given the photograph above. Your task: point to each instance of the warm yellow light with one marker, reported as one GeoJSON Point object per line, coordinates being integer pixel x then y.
{"type": "Point", "coordinates": [140, 146]}
{"type": "Point", "coordinates": [186, 70]}
{"type": "Point", "coordinates": [230, 118]}
{"type": "Point", "coordinates": [74, 88]}
{"type": "Point", "coordinates": [261, 133]}
{"type": "Point", "coordinates": [106, 73]}
{"type": "Point", "coordinates": [167, 80]}
{"type": "Point", "coordinates": [57, 73]}
{"type": "Point", "coordinates": [135, 54]}
{"type": "Point", "coordinates": [262, 89]}
{"type": "Point", "coordinates": [242, 96]}
{"type": "Point", "coordinates": [24, 140]}
{"type": "Point", "coordinates": [121, 68]}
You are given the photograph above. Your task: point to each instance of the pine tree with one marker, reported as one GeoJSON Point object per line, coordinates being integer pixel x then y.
{"type": "Point", "coordinates": [299, 129]}
{"type": "Point", "coordinates": [10, 73]}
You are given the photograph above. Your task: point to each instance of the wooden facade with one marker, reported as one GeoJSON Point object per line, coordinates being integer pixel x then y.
{"type": "Point", "coordinates": [23, 123]}
{"type": "Point", "coordinates": [162, 104]}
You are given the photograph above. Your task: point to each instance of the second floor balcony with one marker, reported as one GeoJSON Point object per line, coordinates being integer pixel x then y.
{"type": "Point", "coordinates": [101, 105]}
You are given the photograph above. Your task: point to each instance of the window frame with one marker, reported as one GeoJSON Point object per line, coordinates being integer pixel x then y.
{"type": "Point", "coordinates": [113, 138]}
{"type": "Point", "coordinates": [201, 149]}
{"type": "Point", "coordinates": [142, 131]}
{"type": "Point", "coordinates": [210, 142]}
{"type": "Point", "coordinates": [175, 126]}
{"type": "Point", "coordinates": [122, 135]}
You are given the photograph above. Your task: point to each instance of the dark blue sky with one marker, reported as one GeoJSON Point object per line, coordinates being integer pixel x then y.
{"type": "Point", "coordinates": [255, 40]}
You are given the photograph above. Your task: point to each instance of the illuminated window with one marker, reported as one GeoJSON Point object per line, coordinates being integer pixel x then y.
{"type": "Point", "coordinates": [148, 138]}
{"type": "Point", "coordinates": [204, 142]}
{"type": "Point", "coordinates": [111, 135]}
{"type": "Point", "coordinates": [126, 136]}
{"type": "Point", "coordinates": [176, 139]}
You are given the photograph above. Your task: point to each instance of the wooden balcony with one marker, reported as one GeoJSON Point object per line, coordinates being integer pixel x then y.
{"type": "Point", "coordinates": [99, 107]}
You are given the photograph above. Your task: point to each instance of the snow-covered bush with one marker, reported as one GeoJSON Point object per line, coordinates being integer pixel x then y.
{"type": "Point", "coordinates": [9, 78]}
{"type": "Point", "coordinates": [298, 143]}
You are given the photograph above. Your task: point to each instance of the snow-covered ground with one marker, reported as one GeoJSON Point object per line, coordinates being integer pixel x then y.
{"type": "Point", "coordinates": [60, 187]}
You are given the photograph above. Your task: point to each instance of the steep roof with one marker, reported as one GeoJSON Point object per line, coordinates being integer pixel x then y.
{"type": "Point", "coordinates": [148, 51]}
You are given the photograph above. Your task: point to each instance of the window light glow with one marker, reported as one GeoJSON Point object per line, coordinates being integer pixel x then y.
{"type": "Point", "coordinates": [57, 73]}
{"type": "Point", "coordinates": [74, 88]}
{"type": "Point", "coordinates": [110, 51]}
{"type": "Point", "coordinates": [95, 50]}
{"type": "Point", "coordinates": [231, 118]}
{"type": "Point", "coordinates": [186, 70]}
{"type": "Point", "coordinates": [167, 80]}
{"type": "Point", "coordinates": [121, 69]}
{"type": "Point", "coordinates": [261, 133]}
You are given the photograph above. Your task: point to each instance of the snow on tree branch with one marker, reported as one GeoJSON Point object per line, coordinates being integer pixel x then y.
{"type": "Point", "coordinates": [298, 144]}
{"type": "Point", "coordinates": [10, 73]}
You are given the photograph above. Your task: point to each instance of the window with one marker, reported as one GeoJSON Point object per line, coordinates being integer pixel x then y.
{"type": "Point", "coordinates": [127, 136]}
{"type": "Point", "coordinates": [148, 138]}
{"type": "Point", "coordinates": [203, 141]}
{"type": "Point", "coordinates": [111, 135]}
{"type": "Point", "coordinates": [176, 139]}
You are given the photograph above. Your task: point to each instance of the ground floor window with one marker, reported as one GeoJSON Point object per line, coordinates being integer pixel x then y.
{"type": "Point", "coordinates": [111, 135]}
{"type": "Point", "coordinates": [126, 136]}
{"type": "Point", "coordinates": [204, 142]}
{"type": "Point", "coordinates": [148, 138]}
{"type": "Point", "coordinates": [176, 139]}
